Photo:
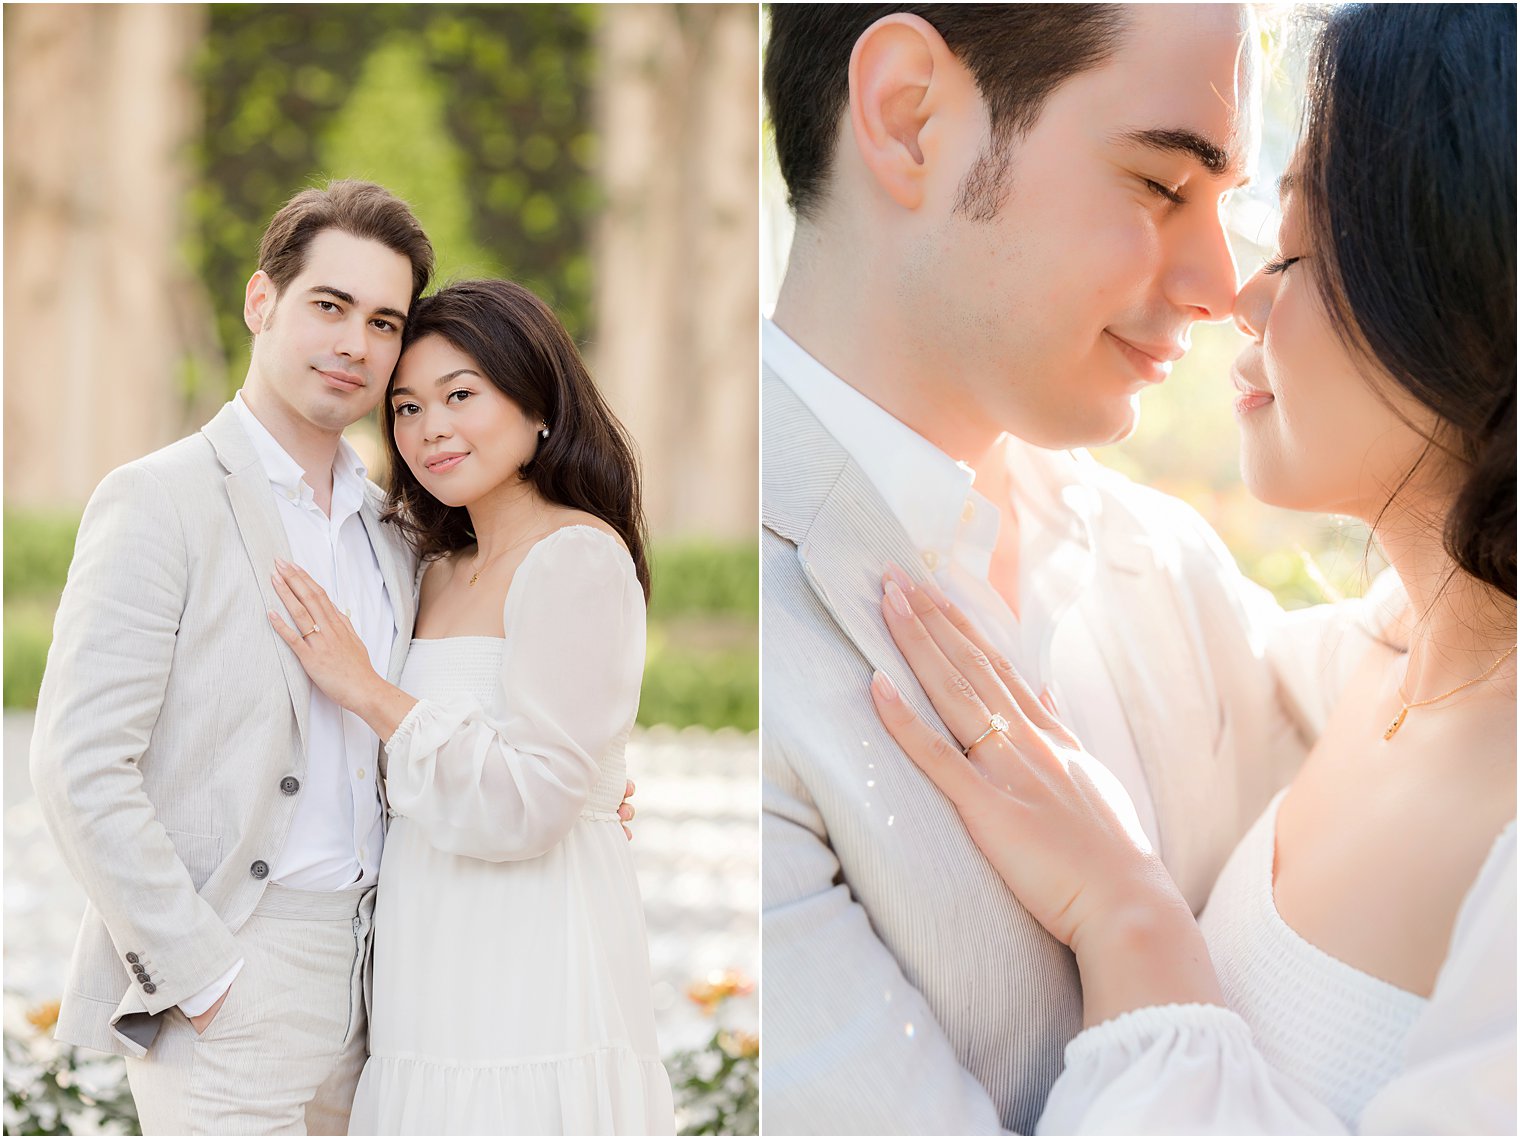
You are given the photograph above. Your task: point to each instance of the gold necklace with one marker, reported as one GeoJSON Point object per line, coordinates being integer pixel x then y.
{"type": "Point", "coordinates": [1398, 721]}
{"type": "Point", "coordinates": [474, 577]}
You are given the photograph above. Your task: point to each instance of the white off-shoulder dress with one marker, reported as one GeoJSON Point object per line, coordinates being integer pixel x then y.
{"type": "Point", "coordinates": [1309, 1044]}
{"type": "Point", "coordinates": [511, 989]}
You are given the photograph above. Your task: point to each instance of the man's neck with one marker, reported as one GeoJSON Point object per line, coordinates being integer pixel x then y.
{"type": "Point", "coordinates": [838, 311]}
{"type": "Point", "coordinates": [313, 449]}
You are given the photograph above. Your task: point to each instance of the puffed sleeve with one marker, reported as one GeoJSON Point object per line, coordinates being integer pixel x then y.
{"type": "Point", "coordinates": [512, 787]}
{"type": "Point", "coordinates": [1192, 1069]}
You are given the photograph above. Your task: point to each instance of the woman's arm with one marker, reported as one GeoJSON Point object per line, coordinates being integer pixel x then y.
{"type": "Point", "coordinates": [507, 787]}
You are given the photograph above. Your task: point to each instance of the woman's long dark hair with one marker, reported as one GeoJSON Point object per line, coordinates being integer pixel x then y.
{"type": "Point", "coordinates": [1407, 179]}
{"type": "Point", "coordinates": [588, 461]}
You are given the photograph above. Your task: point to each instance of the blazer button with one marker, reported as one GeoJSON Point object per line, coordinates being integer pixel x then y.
{"type": "Point", "coordinates": [259, 869]}
{"type": "Point", "coordinates": [139, 971]}
{"type": "Point", "coordinates": [132, 959]}
{"type": "Point", "coordinates": [149, 987]}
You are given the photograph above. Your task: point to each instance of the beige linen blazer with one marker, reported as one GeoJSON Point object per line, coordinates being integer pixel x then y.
{"type": "Point", "coordinates": [905, 989]}
{"type": "Point", "coordinates": [170, 737]}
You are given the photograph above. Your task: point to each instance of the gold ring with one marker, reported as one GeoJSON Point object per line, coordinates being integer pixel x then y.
{"type": "Point", "coordinates": [315, 628]}
{"type": "Point", "coordinates": [996, 724]}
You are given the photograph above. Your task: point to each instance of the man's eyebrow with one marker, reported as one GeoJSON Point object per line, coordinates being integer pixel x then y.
{"type": "Point", "coordinates": [441, 380]}
{"type": "Point", "coordinates": [1180, 140]}
{"type": "Point", "coordinates": [348, 299]}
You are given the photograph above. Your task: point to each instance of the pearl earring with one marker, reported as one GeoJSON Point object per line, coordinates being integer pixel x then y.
{"type": "Point", "coordinates": [543, 432]}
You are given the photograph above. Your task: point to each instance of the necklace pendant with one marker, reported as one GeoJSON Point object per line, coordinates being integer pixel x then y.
{"type": "Point", "coordinates": [1398, 722]}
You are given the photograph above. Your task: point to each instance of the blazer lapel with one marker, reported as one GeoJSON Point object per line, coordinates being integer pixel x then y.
{"type": "Point", "coordinates": [845, 534]}
{"type": "Point", "coordinates": [388, 546]}
{"type": "Point", "coordinates": [264, 538]}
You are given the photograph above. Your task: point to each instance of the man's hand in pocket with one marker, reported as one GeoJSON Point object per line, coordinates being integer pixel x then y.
{"type": "Point", "coordinates": [203, 1021]}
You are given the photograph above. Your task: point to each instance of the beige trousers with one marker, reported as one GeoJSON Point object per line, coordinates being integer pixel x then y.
{"type": "Point", "coordinates": [284, 1053]}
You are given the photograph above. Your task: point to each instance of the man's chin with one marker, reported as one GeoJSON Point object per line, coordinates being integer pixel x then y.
{"type": "Point", "coordinates": [1100, 427]}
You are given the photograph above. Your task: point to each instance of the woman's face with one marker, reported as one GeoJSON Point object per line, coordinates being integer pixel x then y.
{"type": "Point", "coordinates": [1317, 431]}
{"type": "Point", "coordinates": [461, 437]}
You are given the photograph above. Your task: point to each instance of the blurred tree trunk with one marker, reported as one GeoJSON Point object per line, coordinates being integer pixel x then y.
{"type": "Point", "coordinates": [676, 345]}
{"type": "Point", "coordinates": [107, 330]}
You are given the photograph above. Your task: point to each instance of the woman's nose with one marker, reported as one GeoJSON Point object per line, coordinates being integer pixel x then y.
{"type": "Point", "coordinates": [1253, 305]}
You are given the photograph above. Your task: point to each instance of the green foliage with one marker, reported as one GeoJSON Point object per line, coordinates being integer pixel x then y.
{"type": "Point", "coordinates": [704, 577]}
{"type": "Point", "coordinates": [718, 1087]}
{"type": "Point", "coordinates": [687, 683]}
{"type": "Point", "coordinates": [28, 632]}
{"type": "Point", "coordinates": [479, 114]}
{"type": "Point", "coordinates": [38, 549]}
{"type": "Point", "coordinates": [413, 155]}
{"type": "Point", "coordinates": [53, 1089]}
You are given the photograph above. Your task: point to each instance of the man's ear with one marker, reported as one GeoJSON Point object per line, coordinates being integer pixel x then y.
{"type": "Point", "coordinates": [903, 80]}
{"type": "Point", "coordinates": [258, 302]}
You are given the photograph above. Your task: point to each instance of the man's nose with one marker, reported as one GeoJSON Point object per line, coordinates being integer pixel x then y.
{"type": "Point", "coordinates": [1203, 275]}
{"type": "Point", "coordinates": [351, 339]}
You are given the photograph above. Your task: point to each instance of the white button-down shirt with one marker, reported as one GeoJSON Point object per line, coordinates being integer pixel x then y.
{"type": "Point", "coordinates": [336, 836]}
{"type": "Point", "coordinates": [955, 529]}
{"type": "Point", "coordinates": [338, 831]}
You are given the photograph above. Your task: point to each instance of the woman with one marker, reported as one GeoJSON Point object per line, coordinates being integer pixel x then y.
{"type": "Point", "coordinates": [1354, 969]}
{"type": "Point", "coordinates": [511, 991]}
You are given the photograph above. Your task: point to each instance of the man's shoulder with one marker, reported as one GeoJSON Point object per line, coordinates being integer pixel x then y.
{"type": "Point", "coordinates": [1132, 510]}
{"type": "Point", "coordinates": [176, 470]}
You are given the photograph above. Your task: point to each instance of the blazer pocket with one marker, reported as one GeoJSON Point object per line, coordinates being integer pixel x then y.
{"type": "Point", "coordinates": [200, 853]}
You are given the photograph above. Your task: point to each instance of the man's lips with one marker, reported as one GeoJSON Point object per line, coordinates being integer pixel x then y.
{"type": "Point", "coordinates": [1250, 396]}
{"type": "Point", "coordinates": [345, 381]}
{"type": "Point", "coordinates": [445, 461]}
{"type": "Point", "coordinates": [1153, 362]}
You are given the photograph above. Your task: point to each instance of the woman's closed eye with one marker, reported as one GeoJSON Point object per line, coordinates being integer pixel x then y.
{"type": "Point", "coordinates": [1279, 263]}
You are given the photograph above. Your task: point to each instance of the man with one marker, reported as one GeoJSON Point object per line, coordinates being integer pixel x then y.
{"type": "Point", "coordinates": [1008, 217]}
{"type": "Point", "coordinates": [224, 816]}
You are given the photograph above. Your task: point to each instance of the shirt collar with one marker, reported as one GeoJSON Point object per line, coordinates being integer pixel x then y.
{"type": "Point", "coordinates": [924, 488]}
{"type": "Point", "coordinates": [286, 475]}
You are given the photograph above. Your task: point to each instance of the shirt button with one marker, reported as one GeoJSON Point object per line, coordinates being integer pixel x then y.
{"type": "Point", "coordinates": [968, 512]}
{"type": "Point", "coordinates": [290, 785]}
{"type": "Point", "coordinates": [259, 869]}
{"type": "Point", "coordinates": [931, 560]}
{"type": "Point", "coordinates": [361, 773]}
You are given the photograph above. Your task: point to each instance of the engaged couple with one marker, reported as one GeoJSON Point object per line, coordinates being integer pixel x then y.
{"type": "Point", "coordinates": [1008, 218]}
{"type": "Point", "coordinates": [341, 770]}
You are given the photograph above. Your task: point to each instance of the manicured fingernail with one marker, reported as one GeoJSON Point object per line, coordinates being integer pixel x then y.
{"type": "Point", "coordinates": [936, 594]}
{"type": "Point", "coordinates": [882, 685]}
{"type": "Point", "coordinates": [899, 602]}
{"type": "Point", "coordinates": [904, 582]}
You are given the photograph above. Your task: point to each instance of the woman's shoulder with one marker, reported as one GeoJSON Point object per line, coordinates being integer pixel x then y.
{"type": "Point", "coordinates": [577, 549]}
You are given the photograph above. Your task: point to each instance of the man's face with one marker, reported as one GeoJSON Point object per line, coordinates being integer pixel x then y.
{"type": "Point", "coordinates": [1051, 318]}
{"type": "Point", "coordinates": [324, 347]}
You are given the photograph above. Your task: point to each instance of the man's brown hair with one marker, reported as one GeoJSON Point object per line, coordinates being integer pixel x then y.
{"type": "Point", "coordinates": [1018, 53]}
{"type": "Point", "coordinates": [359, 208]}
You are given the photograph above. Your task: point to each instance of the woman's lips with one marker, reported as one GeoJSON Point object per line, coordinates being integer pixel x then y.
{"type": "Point", "coordinates": [440, 463]}
{"type": "Point", "coordinates": [1248, 397]}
